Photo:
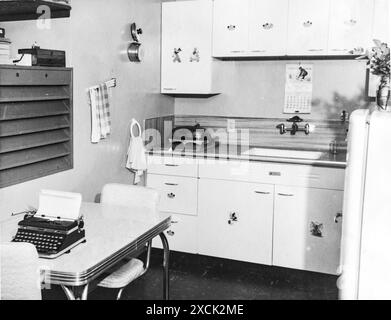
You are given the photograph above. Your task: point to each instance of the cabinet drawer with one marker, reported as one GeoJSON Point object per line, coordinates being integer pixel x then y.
{"type": "Point", "coordinates": [17, 77]}
{"type": "Point", "coordinates": [175, 166]}
{"type": "Point", "coordinates": [177, 194]}
{"type": "Point", "coordinates": [274, 173]}
{"type": "Point", "coordinates": [182, 235]}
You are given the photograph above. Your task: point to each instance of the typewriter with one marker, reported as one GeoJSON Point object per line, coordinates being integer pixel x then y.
{"type": "Point", "coordinates": [53, 236]}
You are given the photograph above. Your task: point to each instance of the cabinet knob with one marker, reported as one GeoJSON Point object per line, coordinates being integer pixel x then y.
{"type": "Point", "coordinates": [231, 27]}
{"type": "Point", "coordinates": [233, 218]}
{"type": "Point", "coordinates": [351, 22]}
{"type": "Point", "coordinates": [268, 26]}
{"type": "Point", "coordinates": [171, 233]}
{"type": "Point", "coordinates": [171, 195]}
{"type": "Point", "coordinates": [307, 24]}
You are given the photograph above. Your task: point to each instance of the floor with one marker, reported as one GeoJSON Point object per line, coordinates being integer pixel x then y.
{"type": "Point", "coordinates": [194, 277]}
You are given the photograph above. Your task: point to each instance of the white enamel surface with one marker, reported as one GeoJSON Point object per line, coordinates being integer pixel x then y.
{"type": "Point", "coordinates": [352, 211]}
{"type": "Point", "coordinates": [297, 154]}
{"type": "Point", "coordinates": [108, 229]}
{"type": "Point", "coordinates": [375, 264]}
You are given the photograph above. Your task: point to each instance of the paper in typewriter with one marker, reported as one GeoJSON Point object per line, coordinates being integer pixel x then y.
{"type": "Point", "coordinates": [56, 205]}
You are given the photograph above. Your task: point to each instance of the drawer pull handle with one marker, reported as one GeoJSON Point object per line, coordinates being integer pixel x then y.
{"type": "Point", "coordinates": [286, 194]}
{"type": "Point", "coordinates": [231, 27]}
{"type": "Point", "coordinates": [46, 75]}
{"type": "Point", "coordinates": [17, 74]}
{"type": "Point", "coordinates": [171, 233]}
{"type": "Point", "coordinates": [171, 184]}
{"type": "Point", "coordinates": [261, 192]}
{"type": "Point", "coordinates": [172, 165]}
{"type": "Point", "coordinates": [174, 222]}
{"type": "Point", "coordinates": [275, 174]}
{"type": "Point", "coordinates": [171, 195]}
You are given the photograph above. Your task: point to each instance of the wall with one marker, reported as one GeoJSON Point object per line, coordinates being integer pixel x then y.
{"type": "Point", "coordinates": [257, 89]}
{"type": "Point", "coordinates": [95, 38]}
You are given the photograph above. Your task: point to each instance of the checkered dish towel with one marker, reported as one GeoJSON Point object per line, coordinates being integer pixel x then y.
{"type": "Point", "coordinates": [100, 112]}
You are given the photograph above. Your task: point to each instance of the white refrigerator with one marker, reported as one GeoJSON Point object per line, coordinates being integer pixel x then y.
{"type": "Point", "coordinates": [366, 227]}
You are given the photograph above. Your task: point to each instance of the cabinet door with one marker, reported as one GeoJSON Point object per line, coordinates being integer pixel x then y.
{"type": "Point", "coordinates": [182, 235]}
{"type": "Point", "coordinates": [307, 229]}
{"type": "Point", "coordinates": [382, 21]}
{"type": "Point", "coordinates": [235, 220]}
{"type": "Point", "coordinates": [268, 27]}
{"type": "Point", "coordinates": [230, 27]}
{"type": "Point", "coordinates": [187, 47]}
{"type": "Point", "coordinates": [308, 27]}
{"type": "Point", "coordinates": [350, 26]}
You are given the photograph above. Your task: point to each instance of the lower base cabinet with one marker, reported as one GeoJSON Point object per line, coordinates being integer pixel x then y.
{"type": "Point", "coordinates": [235, 220]}
{"type": "Point", "coordinates": [182, 235]}
{"type": "Point", "coordinates": [307, 228]}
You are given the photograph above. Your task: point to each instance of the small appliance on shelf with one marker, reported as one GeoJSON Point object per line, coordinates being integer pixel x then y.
{"type": "Point", "coordinates": [56, 227]}
{"type": "Point", "coordinates": [44, 57]}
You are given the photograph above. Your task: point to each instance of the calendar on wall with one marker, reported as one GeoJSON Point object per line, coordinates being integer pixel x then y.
{"type": "Point", "coordinates": [298, 88]}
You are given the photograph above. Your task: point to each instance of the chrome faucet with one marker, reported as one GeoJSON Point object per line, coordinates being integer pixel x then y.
{"type": "Point", "coordinates": [295, 128]}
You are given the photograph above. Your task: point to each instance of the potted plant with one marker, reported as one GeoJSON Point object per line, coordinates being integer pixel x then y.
{"type": "Point", "coordinates": [379, 64]}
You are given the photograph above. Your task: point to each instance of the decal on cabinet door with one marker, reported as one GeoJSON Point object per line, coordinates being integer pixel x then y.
{"type": "Point", "coordinates": [176, 56]}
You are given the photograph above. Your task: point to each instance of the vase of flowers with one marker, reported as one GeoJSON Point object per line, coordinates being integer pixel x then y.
{"type": "Point", "coordinates": [379, 64]}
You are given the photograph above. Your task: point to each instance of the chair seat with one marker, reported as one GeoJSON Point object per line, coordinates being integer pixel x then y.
{"type": "Point", "coordinates": [124, 275]}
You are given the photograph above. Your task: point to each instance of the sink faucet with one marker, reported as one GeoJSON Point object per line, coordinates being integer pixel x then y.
{"type": "Point", "coordinates": [295, 128]}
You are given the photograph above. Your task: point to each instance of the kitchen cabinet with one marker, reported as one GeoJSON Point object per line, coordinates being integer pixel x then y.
{"type": "Point", "coordinates": [186, 62]}
{"type": "Point", "coordinates": [268, 27]}
{"type": "Point", "coordinates": [235, 220]}
{"type": "Point", "coordinates": [350, 26]}
{"type": "Point", "coordinates": [308, 26]}
{"type": "Point", "coordinates": [230, 27]}
{"type": "Point", "coordinates": [381, 21]}
{"type": "Point", "coordinates": [307, 228]}
{"type": "Point", "coordinates": [286, 215]}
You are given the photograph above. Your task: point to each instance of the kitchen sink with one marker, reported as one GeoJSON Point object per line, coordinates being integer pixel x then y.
{"type": "Point", "coordinates": [281, 153]}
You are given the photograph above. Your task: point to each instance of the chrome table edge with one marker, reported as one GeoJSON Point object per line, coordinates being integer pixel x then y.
{"type": "Point", "coordinates": [85, 277]}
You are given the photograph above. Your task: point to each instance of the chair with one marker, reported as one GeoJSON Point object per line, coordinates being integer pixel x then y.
{"type": "Point", "coordinates": [129, 196]}
{"type": "Point", "coordinates": [20, 275]}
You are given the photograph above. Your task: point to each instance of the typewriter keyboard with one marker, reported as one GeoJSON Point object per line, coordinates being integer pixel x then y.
{"type": "Point", "coordinates": [44, 242]}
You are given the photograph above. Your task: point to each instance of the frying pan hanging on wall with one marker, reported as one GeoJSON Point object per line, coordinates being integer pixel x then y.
{"type": "Point", "coordinates": [135, 50]}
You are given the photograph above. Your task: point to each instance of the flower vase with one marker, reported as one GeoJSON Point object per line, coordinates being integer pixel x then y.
{"type": "Point", "coordinates": [383, 94]}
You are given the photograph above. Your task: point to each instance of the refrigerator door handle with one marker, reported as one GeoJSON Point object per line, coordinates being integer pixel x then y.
{"type": "Point", "coordinates": [337, 217]}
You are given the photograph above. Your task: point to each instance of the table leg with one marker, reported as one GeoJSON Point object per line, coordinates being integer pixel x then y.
{"type": "Point", "coordinates": [166, 276]}
{"type": "Point", "coordinates": [76, 293]}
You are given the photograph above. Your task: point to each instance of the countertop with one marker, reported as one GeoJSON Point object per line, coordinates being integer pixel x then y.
{"type": "Point", "coordinates": [327, 159]}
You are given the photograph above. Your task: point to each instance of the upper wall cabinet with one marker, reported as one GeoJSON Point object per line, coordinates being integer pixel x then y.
{"type": "Point", "coordinates": [230, 27]}
{"type": "Point", "coordinates": [350, 26]}
{"type": "Point", "coordinates": [244, 28]}
{"type": "Point", "coordinates": [187, 63]}
{"type": "Point", "coordinates": [268, 27]}
{"type": "Point", "coordinates": [308, 24]}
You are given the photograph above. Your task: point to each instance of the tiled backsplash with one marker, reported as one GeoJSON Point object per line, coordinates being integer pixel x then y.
{"type": "Point", "coordinates": [261, 132]}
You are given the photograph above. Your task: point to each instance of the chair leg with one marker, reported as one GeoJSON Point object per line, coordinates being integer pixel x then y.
{"type": "Point", "coordinates": [119, 295]}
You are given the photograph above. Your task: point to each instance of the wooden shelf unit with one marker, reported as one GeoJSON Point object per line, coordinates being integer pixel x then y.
{"type": "Point", "coordinates": [36, 122]}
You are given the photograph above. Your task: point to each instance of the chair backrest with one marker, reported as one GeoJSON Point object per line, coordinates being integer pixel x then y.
{"type": "Point", "coordinates": [131, 196]}
{"type": "Point", "coordinates": [20, 275]}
